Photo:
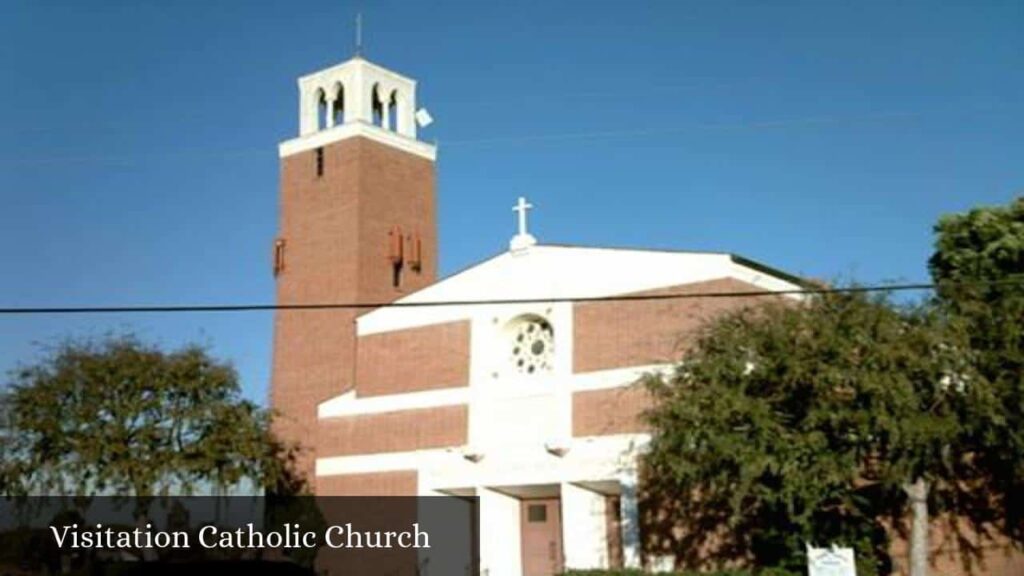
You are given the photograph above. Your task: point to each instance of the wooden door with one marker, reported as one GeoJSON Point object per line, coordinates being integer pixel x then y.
{"type": "Point", "coordinates": [541, 524]}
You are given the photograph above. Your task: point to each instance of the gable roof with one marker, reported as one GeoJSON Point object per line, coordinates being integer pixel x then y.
{"type": "Point", "coordinates": [560, 272]}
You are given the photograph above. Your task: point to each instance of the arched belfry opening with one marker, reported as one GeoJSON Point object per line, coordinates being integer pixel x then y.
{"type": "Point", "coordinates": [393, 115]}
{"type": "Point", "coordinates": [321, 109]}
{"type": "Point", "coordinates": [338, 104]}
{"type": "Point", "coordinates": [377, 106]}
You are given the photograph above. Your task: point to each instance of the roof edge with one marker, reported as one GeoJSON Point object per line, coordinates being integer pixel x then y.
{"type": "Point", "coordinates": [780, 274]}
{"type": "Point", "coordinates": [629, 248]}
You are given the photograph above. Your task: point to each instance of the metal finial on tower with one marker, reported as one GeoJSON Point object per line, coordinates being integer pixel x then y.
{"type": "Point", "coordinates": [359, 33]}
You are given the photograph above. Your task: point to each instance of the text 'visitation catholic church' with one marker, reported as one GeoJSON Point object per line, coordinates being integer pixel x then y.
{"type": "Point", "coordinates": [533, 407]}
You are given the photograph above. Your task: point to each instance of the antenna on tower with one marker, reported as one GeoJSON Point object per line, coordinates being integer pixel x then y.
{"type": "Point", "coordinates": [359, 33]}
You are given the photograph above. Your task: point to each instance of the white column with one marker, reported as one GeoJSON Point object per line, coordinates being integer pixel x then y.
{"type": "Point", "coordinates": [407, 108]}
{"type": "Point", "coordinates": [584, 528]}
{"type": "Point", "coordinates": [500, 542]}
{"type": "Point", "coordinates": [330, 112]}
{"type": "Point", "coordinates": [562, 315]}
{"type": "Point", "coordinates": [398, 119]}
{"type": "Point", "coordinates": [360, 102]}
{"type": "Point", "coordinates": [385, 114]}
{"type": "Point", "coordinates": [630, 514]}
{"type": "Point", "coordinates": [307, 113]}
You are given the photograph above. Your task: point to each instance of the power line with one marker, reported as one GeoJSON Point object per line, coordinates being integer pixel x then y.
{"type": "Point", "coordinates": [491, 302]}
{"type": "Point", "coordinates": [803, 122]}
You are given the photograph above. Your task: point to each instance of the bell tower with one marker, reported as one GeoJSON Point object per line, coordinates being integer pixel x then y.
{"type": "Point", "coordinates": [357, 225]}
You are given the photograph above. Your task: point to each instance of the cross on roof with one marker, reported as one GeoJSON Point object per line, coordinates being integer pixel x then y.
{"type": "Point", "coordinates": [523, 239]}
{"type": "Point", "coordinates": [522, 206]}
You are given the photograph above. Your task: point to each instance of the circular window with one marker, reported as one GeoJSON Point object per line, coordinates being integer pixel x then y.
{"type": "Point", "coordinates": [532, 345]}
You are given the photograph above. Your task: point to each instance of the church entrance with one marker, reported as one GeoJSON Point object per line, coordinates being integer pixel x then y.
{"type": "Point", "coordinates": [541, 522]}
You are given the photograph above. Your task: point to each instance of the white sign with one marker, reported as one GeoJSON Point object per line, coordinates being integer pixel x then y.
{"type": "Point", "coordinates": [830, 561]}
{"type": "Point", "coordinates": [423, 118]}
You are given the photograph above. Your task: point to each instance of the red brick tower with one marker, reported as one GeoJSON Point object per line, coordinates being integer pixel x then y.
{"type": "Point", "coordinates": [357, 224]}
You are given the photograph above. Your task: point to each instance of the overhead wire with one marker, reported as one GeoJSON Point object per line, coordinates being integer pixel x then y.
{"type": "Point", "coordinates": [189, 308]}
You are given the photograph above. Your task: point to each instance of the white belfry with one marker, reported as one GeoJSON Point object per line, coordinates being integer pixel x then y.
{"type": "Point", "coordinates": [523, 239]}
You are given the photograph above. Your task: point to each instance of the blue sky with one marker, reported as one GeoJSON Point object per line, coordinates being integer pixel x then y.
{"type": "Point", "coordinates": [138, 156]}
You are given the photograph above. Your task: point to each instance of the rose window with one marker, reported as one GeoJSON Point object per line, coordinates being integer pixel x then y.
{"type": "Point", "coordinates": [533, 346]}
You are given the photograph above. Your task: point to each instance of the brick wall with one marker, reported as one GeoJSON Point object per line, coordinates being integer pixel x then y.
{"type": "Point", "coordinates": [314, 350]}
{"type": "Point", "coordinates": [336, 233]}
{"type": "Point", "coordinates": [619, 334]}
{"type": "Point", "coordinates": [997, 556]}
{"type": "Point", "coordinates": [413, 360]}
{"type": "Point", "coordinates": [398, 190]}
{"type": "Point", "coordinates": [400, 483]}
{"type": "Point", "coordinates": [611, 411]}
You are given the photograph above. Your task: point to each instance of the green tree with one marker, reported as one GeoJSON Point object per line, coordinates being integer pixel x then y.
{"type": "Point", "coordinates": [6, 480]}
{"type": "Point", "coordinates": [118, 416]}
{"type": "Point", "coordinates": [978, 265]}
{"type": "Point", "coordinates": [816, 422]}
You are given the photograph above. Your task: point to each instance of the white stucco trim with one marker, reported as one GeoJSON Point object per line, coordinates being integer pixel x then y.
{"type": "Point", "coordinates": [584, 527]}
{"type": "Point", "coordinates": [501, 535]}
{"type": "Point", "coordinates": [381, 462]}
{"type": "Point", "coordinates": [763, 280]}
{"type": "Point", "coordinates": [357, 61]}
{"type": "Point", "coordinates": [352, 129]}
{"type": "Point", "coordinates": [349, 404]}
{"type": "Point", "coordinates": [617, 378]}
{"type": "Point", "coordinates": [589, 458]}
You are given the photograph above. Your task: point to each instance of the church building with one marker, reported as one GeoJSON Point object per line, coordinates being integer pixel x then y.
{"type": "Point", "coordinates": [519, 389]}
{"type": "Point", "coordinates": [527, 399]}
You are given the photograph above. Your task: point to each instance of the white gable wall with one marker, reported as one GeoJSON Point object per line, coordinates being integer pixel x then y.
{"type": "Point", "coordinates": [560, 272]}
